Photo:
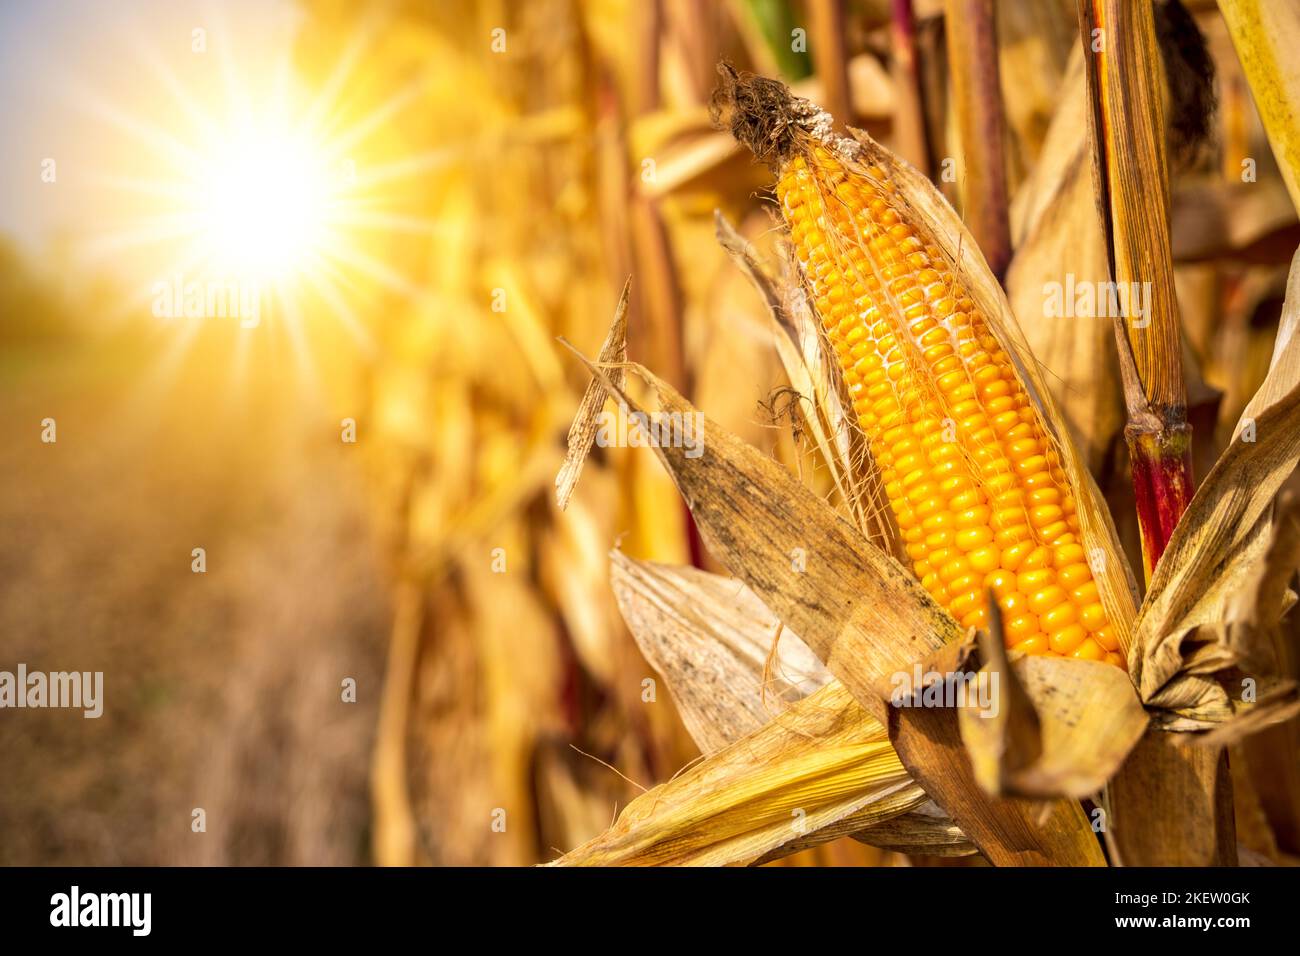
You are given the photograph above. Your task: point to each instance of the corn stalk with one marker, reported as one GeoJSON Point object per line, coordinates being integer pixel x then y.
{"type": "Point", "coordinates": [1127, 127]}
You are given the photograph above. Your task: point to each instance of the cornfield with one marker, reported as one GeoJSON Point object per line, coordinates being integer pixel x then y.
{"type": "Point", "coordinates": [754, 432]}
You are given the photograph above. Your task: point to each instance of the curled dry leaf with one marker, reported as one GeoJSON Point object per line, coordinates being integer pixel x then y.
{"type": "Point", "coordinates": [1267, 595]}
{"type": "Point", "coordinates": [1194, 629]}
{"type": "Point", "coordinates": [1067, 711]}
{"type": "Point", "coordinates": [1256, 639]}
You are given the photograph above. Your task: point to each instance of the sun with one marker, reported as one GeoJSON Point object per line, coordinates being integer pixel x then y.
{"type": "Point", "coordinates": [261, 202]}
{"type": "Point", "coordinates": [254, 199]}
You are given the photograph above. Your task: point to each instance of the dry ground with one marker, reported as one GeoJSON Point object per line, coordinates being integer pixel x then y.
{"type": "Point", "coordinates": [222, 690]}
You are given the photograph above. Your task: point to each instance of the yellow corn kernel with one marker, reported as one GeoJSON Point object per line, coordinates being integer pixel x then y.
{"type": "Point", "coordinates": [1106, 640]}
{"type": "Point", "coordinates": [985, 560]}
{"type": "Point", "coordinates": [1074, 575]}
{"type": "Point", "coordinates": [1020, 628]}
{"type": "Point", "coordinates": [1089, 650]}
{"type": "Point", "coordinates": [1093, 617]}
{"type": "Point", "coordinates": [1060, 616]}
{"type": "Point", "coordinates": [1033, 645]}
{"type": "Point", "coordinates": [1067, 639]}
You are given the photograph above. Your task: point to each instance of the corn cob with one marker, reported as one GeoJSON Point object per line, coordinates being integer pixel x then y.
{"type": "Point", "coordinates": [974, 482]}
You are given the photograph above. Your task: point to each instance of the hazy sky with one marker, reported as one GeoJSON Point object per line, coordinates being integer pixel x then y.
{"type": "Point", "coordinates": [67, 66]}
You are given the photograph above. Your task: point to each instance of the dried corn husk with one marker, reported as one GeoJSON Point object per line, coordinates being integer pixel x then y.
{"type": "Point", "coordinates": [1071, 747]}
{"type": "Point", "coordinates": [711, 637]}
{"type": "Point", "coordinates": [763, 791]}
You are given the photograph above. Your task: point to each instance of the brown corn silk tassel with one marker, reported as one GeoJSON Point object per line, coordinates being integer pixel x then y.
{"type": "Point", "coordinates": [972, 475]}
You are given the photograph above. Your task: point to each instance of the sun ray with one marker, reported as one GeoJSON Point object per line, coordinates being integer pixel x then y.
{"type": "Point", "coordinates": [387, 221]}
{"type": "Point", "coordinates": [408, 166]}
{"type": "Point", "coordinates": [237, 99]}
{"type": "Point", "coordinates": [318, 111]}
{"type": "Point", "coordinates": [176, 190]}
{"type": "Point", "coordinates": [202, 124]}
{"type": "Point", "coordinates": [92, 103]}
{"type": "Point", "coordinates": [305, 369]}
{"type": "Point", "coordinates": [382, 273]}
{"type": "Point", "coordinates": [163, 228]}
{"type": "Point", "coordinates": [323, 283]}
{"type": "Point", "coordinates": [363, 128]}
{"type": "Point", "coordinates": [146, 296]}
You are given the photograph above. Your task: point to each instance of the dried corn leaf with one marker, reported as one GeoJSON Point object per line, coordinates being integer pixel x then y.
{"type": "Point", "coordinates": [1187, 630]}
{"type": "Point", "coordinates": [1074, 746]}
{"type": "Point", "coordinates": [1267, 594]}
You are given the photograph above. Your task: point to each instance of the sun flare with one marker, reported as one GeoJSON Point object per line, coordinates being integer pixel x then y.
{"type": "Point", "coordinates": [262, 204]}
{"type": "Point", "coordinates": [259, 199]}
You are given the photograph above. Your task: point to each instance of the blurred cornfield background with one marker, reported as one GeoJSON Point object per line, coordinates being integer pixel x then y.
{"type": "Point", "coordinates": [547, 151]}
